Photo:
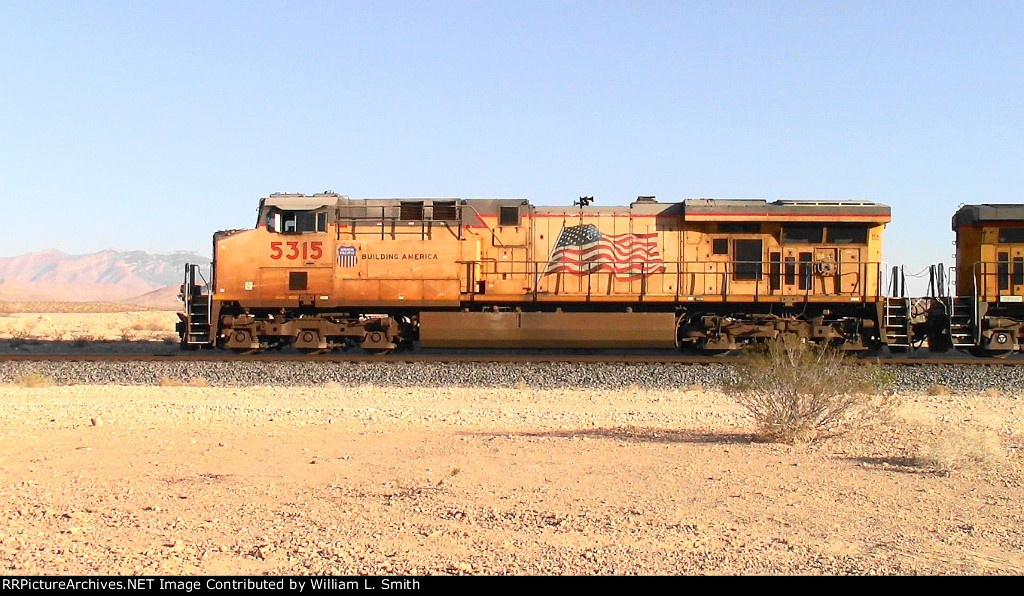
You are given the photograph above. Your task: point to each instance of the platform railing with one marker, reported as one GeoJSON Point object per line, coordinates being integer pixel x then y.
{"type": "Point", "coordinates": [683, 280]}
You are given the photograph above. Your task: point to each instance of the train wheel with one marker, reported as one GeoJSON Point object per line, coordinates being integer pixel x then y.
{"type": "Point", "coordinates": [377, 342]}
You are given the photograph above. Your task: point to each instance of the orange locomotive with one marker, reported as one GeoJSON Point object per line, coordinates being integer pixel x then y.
{"type": "Point", "coordinates": [323, 271]}
{"type": "Point", "coordinates": [989, 280]}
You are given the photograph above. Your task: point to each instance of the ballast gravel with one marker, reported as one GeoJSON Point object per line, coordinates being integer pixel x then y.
{"type": "Point", "coordinates": [903, 378]}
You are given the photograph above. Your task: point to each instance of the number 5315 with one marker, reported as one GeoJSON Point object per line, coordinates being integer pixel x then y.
{"type": "Point", "coordinates": [295, 250]}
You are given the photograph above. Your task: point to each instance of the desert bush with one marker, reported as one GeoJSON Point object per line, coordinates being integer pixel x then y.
{"type": "Point", "coordinates": [19, 334]}
{"type": "Point", "coordinates": [937, 390]}
{"type": "Point", "coordinates": [33, 380]}
{"type": "Point", "coordinates": [148, 322]}
{"type": "Point", "coordinates": [956, 449]}
{"type": "Point", "coordinates": [797, 391]}
{"type": "Point", "coordinates": [81, 338]}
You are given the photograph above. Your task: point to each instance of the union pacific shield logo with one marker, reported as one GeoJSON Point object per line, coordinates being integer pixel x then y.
{"type": "Point", "coordinates": [347, 256]}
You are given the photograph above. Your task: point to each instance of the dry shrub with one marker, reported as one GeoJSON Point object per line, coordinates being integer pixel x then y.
{"type": "Point", "coordinates": [958, 449]}
{"type": "Point", "coordinates": [797, 391]}
{"type": "Point", "coordinates": [21, 334]}
{"type": "Point", "coordinates": [992, 392]}
{"type": "Point", "coordinates": [80, 338]}
{"type": "Point", "coordinates": [938, 390]}
{"type": "Point", "coordinates": [33, 380]}
{"type": "Point", "coordinates": [166, 381]}
{"type": "Point", "coordinates": [521, 385]}
{"type": "Point", "coordinates": [149, 322]}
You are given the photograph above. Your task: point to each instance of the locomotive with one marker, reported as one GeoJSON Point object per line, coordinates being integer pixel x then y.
{"type": "Point", "coordinates": [322, 272]}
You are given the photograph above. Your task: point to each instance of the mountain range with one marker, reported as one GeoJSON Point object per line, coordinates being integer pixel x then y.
{"type": "Point", "coordinates": [108, 276]}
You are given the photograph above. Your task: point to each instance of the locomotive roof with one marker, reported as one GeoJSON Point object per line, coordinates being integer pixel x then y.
{"type": "Point", "coordinates": [714, 209]}
{"type": "Point", "coordinates": [969, 215]}
{"type": "Point", "coordinates": [301, 202]}
{"type": "Point", "coordinates": [704, 209]}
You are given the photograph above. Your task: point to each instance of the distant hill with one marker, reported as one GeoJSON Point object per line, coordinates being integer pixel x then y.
{"type": "Point", "coordinates": [108, 276]}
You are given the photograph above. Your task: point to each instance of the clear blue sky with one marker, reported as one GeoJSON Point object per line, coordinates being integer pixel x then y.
{"type": "Point", "coordinates": [148, 125]}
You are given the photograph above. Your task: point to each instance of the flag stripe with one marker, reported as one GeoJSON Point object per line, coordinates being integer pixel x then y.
{"type": "Point", "coordinates": [583, 250]}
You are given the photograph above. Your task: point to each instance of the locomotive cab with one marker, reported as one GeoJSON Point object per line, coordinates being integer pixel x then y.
{"type": "Point", "coordinates": [990, 273]}
{"type": "Point", "coordinates": [296, 214]}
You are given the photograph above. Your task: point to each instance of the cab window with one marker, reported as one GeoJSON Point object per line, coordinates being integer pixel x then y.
{"type": "Point", "coordinates": [297, 222]}
{"type": "Point", "coordinates": [848, 234]}
{"type": "Point", "coordinates": [1011, 235]}
{"type": "Point", "coordinates": [802, 234]}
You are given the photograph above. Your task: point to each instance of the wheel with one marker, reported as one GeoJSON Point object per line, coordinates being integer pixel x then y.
{"type": "Point", "coordinates": [377, 342]}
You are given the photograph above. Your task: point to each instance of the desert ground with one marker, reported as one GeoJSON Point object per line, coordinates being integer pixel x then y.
{"type": "Point", "coordinates": [326, 479]}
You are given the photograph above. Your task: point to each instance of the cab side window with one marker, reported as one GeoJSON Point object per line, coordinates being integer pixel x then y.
{"type": "Point", "coordinates": [1011, 235]}
{"type": "Point", "coordinates": [802, 234]}
{"type": "Point", "coordinates": [297, 222]}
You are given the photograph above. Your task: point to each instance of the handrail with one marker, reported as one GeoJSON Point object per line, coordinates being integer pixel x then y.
{"type": "Point", "coordinates": [688, 278]}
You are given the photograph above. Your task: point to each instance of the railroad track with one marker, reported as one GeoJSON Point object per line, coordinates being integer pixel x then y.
{"type": "Point", "coordinates": [420, 357]}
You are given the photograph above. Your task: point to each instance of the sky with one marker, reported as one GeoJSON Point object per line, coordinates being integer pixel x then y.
{"type": "Point", "coordinates": [149, 125]}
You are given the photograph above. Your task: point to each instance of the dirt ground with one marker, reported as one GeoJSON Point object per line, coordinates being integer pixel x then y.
{"type": "Point", "coordinates": [331, 480]}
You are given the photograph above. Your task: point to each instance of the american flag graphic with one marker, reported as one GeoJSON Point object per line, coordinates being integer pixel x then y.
{"type": "Point", "coordinates": [347, 256]}
{"type": "Point", "coordinates": [583, 249]}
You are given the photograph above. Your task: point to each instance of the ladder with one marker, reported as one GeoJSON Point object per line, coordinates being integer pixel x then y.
{"type": "Point", "coordinates": [896, 322]}
{"type": "Point", "coordinates": [961, 321]}
{"type": "Point", "coordinates": [198, 305]}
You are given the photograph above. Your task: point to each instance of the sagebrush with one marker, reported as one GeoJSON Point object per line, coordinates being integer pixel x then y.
{"type": "Point", "coordinates": [797, 391]}
{"type": "Point", "coordinates": [959, 448]}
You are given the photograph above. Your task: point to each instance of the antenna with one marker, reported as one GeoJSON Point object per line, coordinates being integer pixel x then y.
{"type": "Point", "coordinates": [584, 201]}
